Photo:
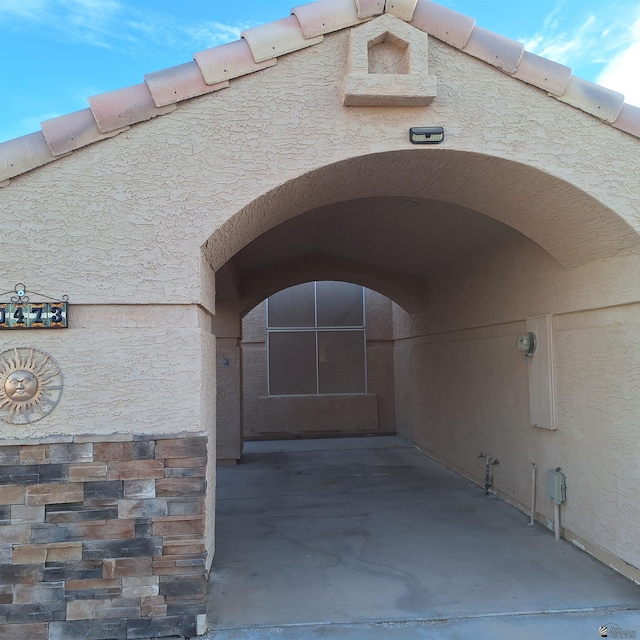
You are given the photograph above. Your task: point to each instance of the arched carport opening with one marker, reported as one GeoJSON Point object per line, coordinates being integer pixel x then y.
{"type": "Point", "coordinates": [471, 247]}
{"type": "Point", "coordinates": [569, 223]}
{"type": "Point", "coordinates": [392, 245]}
{"type": "Point", "coordinates": [457, 240]}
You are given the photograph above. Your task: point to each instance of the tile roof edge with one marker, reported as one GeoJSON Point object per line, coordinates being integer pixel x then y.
{"type": "Point", "coordinates": [502, 53]}
{"type": "Point", "coordinates": [23, 154]}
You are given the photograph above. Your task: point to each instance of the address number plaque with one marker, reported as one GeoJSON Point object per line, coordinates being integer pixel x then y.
{"type": "Point", "coordinates": [20, 313]}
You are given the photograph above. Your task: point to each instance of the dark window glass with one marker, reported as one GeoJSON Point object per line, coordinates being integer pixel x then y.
{"type": "Point", "coordinates": [292, 363]}
{"type": "Point", "coordinates": [339, 304]}
{"type": "Point", "coordinates": [341, 362]}
{"type": "Point", "coordinates": [293, 307]}
{"type": "Point", "coordinates": [307, 353]}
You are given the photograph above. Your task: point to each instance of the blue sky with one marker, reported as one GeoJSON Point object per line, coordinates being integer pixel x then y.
{"type": "Point", "coordinates": [56, 53]}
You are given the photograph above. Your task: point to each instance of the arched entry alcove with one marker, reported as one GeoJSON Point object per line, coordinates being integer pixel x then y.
{"type": "Point", "coordinates": [572, 225]}
{"type": "Point", "coordinates": [474, 248]}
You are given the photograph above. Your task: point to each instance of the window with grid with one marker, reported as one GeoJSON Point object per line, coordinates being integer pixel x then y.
{"type": "Point", "coordinates": [316, 340]}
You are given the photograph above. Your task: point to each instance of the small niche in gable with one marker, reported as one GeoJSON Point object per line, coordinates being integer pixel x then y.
{"type": "Point", "coordinates": [388, 66]}
{"type": "Point", "coordinates": [389, 54]}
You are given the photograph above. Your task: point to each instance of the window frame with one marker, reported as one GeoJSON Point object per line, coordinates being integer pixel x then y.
{"type": "Point", "coordinates": [316, 330]}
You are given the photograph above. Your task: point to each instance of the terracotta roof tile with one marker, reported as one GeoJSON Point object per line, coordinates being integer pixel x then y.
{"type": "Point", "coordinates": [403, 9]}
{"type": "Point", "coordinates": [229, 61]}
{"type": "Point", "coordinates": [593, 98]}
{"type": "Point", "coordinates": [629, 120]}
{"type": "Point", "coordinates": [277, 38]}
{"type": "Point", "coordinates": [445, 24]}
{"type": "Point", "coordinates": [119, 108]}
{"type": "Point", "coordinates": [318, 18]}
{"type": "Point", "coordinates": [543, 73]}
{"type": "Point", "coordinates": [23, 154]}
{"type": "Point", "coordinates": [179, 83]}
{"type": "Point", "coordinates": [369, 8]}
{"type": "Point", "coordinates": [495, 49]}
{"type": "Point", "coordinates": [74, 130]}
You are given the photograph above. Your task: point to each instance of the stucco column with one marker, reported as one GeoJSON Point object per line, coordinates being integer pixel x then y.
{"type": "Point", "coordinates": [226, 328]}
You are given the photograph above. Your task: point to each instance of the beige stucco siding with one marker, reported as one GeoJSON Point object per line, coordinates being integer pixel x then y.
{"type": "Point", "coordinates": [463, 387]}
{"type": "Point", "coordinates": [125, 369]}
{"type": "Point", "coordinates": [129, 214]}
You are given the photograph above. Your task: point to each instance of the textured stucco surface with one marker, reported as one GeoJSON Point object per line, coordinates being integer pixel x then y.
{"type": "Point", "coordinates": [462, 388]}
{"type": "Point", "coordinates": [229, 399]}
{"type": "Point", "coordinates": [208, 424]}
{"type": "Point", "coordinates": [130, 213]}
{"type": "Point", "coordinates": [125, 369]}
{"type": "Point", "coordinates": [295, 416]}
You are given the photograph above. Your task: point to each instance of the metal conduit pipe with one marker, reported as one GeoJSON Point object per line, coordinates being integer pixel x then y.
{"type": "Point", "coordinates": [534, 477]}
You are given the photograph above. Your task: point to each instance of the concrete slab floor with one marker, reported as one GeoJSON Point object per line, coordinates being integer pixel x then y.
{"type": "Point", "coordinates": [369, 538]}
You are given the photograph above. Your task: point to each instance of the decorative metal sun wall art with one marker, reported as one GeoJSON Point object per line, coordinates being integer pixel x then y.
{"type": "Point", "coordinates": [30, 385]}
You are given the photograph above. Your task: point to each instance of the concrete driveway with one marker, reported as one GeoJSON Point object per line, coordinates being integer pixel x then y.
{"type": "Point", "coordinates": [367, 538]}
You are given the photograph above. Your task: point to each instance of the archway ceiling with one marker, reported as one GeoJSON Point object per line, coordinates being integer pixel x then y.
{"type": "Point", "coordinates": [411, 235]}
{"type": "Point", "coordinates": [387, 243]}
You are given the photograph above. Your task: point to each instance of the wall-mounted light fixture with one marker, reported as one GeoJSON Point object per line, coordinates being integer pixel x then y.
{"type": "Point", "coordinates": [426, 135]}
{"type": "Point", "coordinates": [527, 343]}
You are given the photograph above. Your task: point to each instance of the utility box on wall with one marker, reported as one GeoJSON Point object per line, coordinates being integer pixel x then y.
{"type": "Point", "coordinates": [556, 486]}
{"type": "Point", "coordinates": [542, 396]}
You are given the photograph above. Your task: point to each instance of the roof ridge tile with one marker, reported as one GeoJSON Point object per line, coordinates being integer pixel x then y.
{"type": "Point", "coordinates": [403, 9]}
{"type": "Point", "coordinates": [23, 154]}
{"type": "Point", "coordinates": [443, 23]}
{"type": "Point", "coordinates": [277, 38]}
{"type": "Point", "coordinates": [497, 50]}
{"type": "Point", "coordinates": [370, 8]}
{"type": "Point", "coordinates": [593, 98]}
{"type": "Point", "coordinates": [325, 16]}
{"type": "Point", "coordinates": [628, 120]}
{"type": "Point", "coordinates": [182, 82]}
{"type": "Point", "coordinates": [74, 130]}
{"type": "Point", "coordinates": [228, 61]}
{"type": "Point", "coordinates": [122, 107]}
{"type": "Point", "coordinates": [543, 73]}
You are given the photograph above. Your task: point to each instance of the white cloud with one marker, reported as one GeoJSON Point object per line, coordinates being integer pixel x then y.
{"type": "Point", "coordinates": [601, 37]}
{"type": "Point", "coordinates": [115, 25]}
{"type": "Point", "coordinates": [211, 34]}
{"type": "Point", "coordinates": [26, 9]}
{"type": "Point", "coordinates": [622, 73]}
{"type": "Point", "coordinates": [88, 21]}
{"type": "Point", "coordinates": [565, 46]}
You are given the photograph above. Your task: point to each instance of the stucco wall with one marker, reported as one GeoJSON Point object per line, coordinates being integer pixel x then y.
{"type": "Point", "coordinates": [463, 386]}
{"type": "Point", "coordinates": [125, 219]}
{"type": "Point", "coordinates": [288, 416]}
{"type": "Point", "coordinates": [125, 369]}
{"type": "Point", "coordinates": [130, 214]}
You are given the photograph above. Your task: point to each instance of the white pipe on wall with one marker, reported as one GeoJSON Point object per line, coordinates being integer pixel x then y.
{"type": "Point", "coordinates": [534, 475]}
{"type": "Point", "coordinates": [556, 519]}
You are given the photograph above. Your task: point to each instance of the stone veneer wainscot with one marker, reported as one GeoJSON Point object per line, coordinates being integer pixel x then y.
{"type": "Point", "coordinates": [102, 537]}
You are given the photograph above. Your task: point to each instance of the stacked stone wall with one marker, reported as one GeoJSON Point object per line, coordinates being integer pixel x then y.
{"type": "Point", "coordinates": [102, 537]}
